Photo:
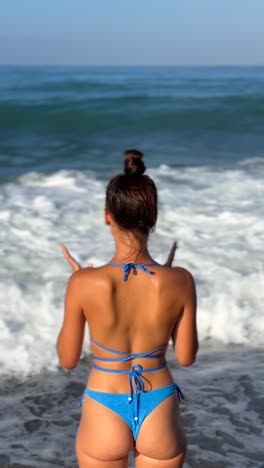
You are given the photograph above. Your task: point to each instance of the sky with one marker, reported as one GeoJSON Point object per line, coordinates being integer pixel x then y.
{"type": "Point", "coordinates": [138, 32]}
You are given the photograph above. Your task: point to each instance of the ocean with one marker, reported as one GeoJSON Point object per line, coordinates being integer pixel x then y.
{"type": "Point", "coordinates": [62, 135]}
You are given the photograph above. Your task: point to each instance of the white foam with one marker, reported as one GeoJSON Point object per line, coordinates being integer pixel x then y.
{"type": "Point", "coordinates": [216, 215]}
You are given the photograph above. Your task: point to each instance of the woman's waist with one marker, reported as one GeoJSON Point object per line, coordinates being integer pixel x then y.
{"type": "Point", "coordinates": [135, 378]}
{"type": "Point", "coordinates": [125, 366]}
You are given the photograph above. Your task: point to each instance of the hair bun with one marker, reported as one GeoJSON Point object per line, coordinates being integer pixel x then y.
{"type": "Point", "coordinates": [133, 162]}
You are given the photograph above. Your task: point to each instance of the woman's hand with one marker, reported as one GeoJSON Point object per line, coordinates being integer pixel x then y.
{"type": "Point", "coordinates": [171, 255]}
{"type": "Point", "coordinates": [74, 264]}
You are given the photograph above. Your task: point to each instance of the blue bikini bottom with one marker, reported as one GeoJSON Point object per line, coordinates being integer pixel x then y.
{"type": "Point", "coordinates": [134, 408]}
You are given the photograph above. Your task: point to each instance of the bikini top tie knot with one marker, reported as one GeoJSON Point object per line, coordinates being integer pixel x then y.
{"type": "Point", "coordinates": [127, 267]}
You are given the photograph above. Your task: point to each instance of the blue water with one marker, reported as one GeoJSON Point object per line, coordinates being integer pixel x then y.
{"type": "Point", "coordinates": [83, 118]}
{"type": "Point", "coordinates": [62, 133]}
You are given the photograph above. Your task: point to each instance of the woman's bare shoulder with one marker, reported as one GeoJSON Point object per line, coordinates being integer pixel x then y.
{"type": "Point", "coordinates": [80, 277]}
{"type": "Point", "coordinates": [182, 273]}
{"type": "Point", "coordinates": [91, 276]}
{"type": "Point", "coordinates": [183, 278]}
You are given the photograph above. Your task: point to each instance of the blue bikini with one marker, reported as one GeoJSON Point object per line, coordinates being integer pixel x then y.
{"type": "Point", "coordinates": [135, 406]}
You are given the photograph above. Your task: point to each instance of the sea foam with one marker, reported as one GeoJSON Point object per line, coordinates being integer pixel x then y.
{"type": "Point", "coordinates": [216, 215]}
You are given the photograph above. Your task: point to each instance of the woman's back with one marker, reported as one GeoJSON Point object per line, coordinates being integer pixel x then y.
{"type": "Point", "coordinates": [132, 310]}
{"type": "Point", "coordinates": [133, 316]}
{"type": "Point", "coordinates": [133, 313]}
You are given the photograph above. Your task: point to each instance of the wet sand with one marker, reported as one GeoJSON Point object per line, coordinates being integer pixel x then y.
{"type": "Point", "coordinates": [223, 412]}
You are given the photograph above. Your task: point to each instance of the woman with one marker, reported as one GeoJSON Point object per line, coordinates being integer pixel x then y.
{"type": "Point", "coordinates": [133, 307]}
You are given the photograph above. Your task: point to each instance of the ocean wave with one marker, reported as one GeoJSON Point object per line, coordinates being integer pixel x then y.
{"type": "Point", "coordinates": [216, 216]}
{"type": "Point", "coordinates": [56, 114]}
{"type": "Point", "coordinates": [139, 103]}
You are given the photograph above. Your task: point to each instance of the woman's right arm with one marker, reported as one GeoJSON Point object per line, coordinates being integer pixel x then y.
{"type": "Point", "coordinates": [185, 337]}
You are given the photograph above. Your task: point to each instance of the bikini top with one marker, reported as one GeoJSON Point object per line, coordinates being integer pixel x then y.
{"type": "Point", "coordinates": [127, 267]}
{"type": "Point", "coordinates": [135, 378]}
{"type": "Point", "coordinates": [136, 371]}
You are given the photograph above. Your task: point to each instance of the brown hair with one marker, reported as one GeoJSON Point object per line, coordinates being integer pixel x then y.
{"type": "Point", "coordinates": [131, 197]}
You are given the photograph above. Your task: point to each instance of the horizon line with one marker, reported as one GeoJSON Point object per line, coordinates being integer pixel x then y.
{"type": "Point", "coordinates": [133, 65]}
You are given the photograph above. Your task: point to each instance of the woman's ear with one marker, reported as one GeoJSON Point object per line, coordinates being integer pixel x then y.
{"type": "Point", "coordinates": [107, 217]}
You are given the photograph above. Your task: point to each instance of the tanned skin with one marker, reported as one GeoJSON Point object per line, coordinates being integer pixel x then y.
{"type": "Point", "coordinates": [134, 316]}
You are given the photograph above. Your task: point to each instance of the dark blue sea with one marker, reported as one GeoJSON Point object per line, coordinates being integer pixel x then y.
{"type": "Point", "coordinates": [83, 118]}
{"type": "Point", "coordinates": [62, 135]}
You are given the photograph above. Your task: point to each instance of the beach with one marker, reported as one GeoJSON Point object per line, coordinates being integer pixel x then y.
{"type": "Point", "coordinates": [222, 412]}
{"type": "Point", "coordinates": [62, 134]}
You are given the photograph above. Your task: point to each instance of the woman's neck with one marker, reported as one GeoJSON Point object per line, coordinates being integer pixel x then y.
{"type": "Point", "coordinates": [131, 248]}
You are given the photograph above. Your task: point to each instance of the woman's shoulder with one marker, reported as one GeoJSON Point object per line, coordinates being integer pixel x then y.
{"type": "Point", "coordinates": [91, 275]}
{"type": "Point", "coordinates": [88, 283]}
{"type": "Point", "coordinates": [182, 277]}
{"type": "Point", "coordinates": [179, 272]}
{"type": "Point", "coordinates": [85, 272]}
{"type": "Point", "coordinates": [182, 272]}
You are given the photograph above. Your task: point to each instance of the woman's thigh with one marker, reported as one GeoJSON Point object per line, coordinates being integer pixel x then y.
{"type": "Point", "coordinates": [103, 438]}
{"type": "Point", "coordinates": [161, 441]}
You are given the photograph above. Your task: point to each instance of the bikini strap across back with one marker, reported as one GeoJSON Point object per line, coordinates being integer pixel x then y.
{"type": "Point", "coordinates": [127, 267]}
{"type": "Point", "coordinates": [135, 379]}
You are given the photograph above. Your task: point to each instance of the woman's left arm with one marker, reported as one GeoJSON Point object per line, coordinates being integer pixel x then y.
{"type": "Point", "coordinates": [70, 339]}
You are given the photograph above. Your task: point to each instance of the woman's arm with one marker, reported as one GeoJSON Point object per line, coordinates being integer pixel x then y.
{"type": "Point", "coordinates": [70, 339]}
{"type": "Point", "coordinates": [185, 338]}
